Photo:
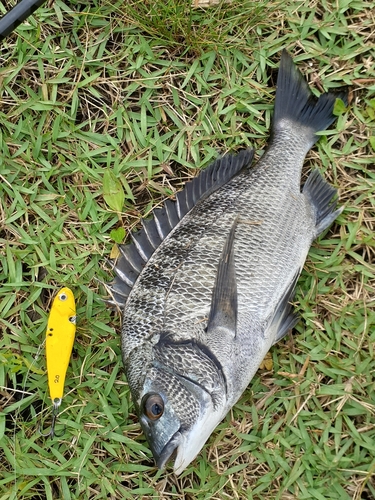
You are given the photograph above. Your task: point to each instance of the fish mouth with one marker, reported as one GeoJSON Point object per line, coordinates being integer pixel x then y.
{"type": "Point", "coordinates": [188, 437]}
{"type": "Point", "coordinates": [186, 443]}
{"type": "Point", "coordinates": [169, 452]}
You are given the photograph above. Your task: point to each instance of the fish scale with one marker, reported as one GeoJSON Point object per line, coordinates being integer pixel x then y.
{"type": "Point", "coordinates": [206, 287]}
{"type": "Point", "coordinates": [161, 274]}
{"type": "Point", "coordinates": [199, 269]}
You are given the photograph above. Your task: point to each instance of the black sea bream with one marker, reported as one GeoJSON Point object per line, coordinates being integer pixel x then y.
{"type": "Point", "coordinates": [205, 286]}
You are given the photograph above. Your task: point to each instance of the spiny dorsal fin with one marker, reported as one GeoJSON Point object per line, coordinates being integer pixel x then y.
{"type": "Point", "coordinates": [135, 255]}
{"type": "Point", "coordinates": [223, 313]}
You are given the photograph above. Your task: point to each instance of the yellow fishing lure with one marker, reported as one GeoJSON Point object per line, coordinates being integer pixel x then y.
{"type": "Point", "coordinates": [61, 329]}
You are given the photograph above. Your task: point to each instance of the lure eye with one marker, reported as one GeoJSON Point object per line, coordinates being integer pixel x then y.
{"type": "Point", "coordinates": [153, 406]}
{"type": "Point", "coordinates": [63, 297]}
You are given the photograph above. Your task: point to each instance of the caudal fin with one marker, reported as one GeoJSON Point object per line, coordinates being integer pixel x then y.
{"type": "Point", "coordinates": [295, 103]}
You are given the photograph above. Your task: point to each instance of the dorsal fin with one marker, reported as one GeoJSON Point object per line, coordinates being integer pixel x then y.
{"type": "Point", "coordinates": [135, 255]}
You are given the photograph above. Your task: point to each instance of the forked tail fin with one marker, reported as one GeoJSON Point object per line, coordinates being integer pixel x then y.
{"type": "Point", "coordinates": [297, 105]}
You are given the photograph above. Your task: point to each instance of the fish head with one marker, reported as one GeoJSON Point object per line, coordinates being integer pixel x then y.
{"type": "Point", "coordinates": [182, 400]}
{"type": "Point", "coordinates": [177, 417]}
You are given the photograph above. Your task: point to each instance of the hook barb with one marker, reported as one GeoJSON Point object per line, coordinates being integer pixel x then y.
{"type": "Point", "coordinates": [55, 413]}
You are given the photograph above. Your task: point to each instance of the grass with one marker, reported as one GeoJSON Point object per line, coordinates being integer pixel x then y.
{"type": "Point", "coordinates": [152, 92]}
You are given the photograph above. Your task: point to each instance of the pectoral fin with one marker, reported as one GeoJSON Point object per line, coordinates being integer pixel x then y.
{"type": "Point", "coordinates": [223, 313]}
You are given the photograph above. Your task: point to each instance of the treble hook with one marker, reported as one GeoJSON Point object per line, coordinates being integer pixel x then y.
{"type": "Point", "coordinates": [55, 414]}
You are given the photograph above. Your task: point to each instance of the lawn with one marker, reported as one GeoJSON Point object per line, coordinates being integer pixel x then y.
{"type": "Point", "coordinates": [145, 94]}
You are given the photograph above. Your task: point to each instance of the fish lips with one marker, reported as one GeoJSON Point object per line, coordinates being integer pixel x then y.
{"type": "Point", "coordinates": [169, 451]}
{"type": "Point", "coordinates": [185, 444]}
{"type": "Point", "coordinates": [174, 447]}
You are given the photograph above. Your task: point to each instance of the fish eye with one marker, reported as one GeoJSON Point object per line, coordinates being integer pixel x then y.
{"type": "Point", "coordinates": [153, 406]}
{"type": "Point", "coordinates": [63, 296]}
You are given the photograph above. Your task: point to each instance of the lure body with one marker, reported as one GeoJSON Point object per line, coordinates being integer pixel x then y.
{"type": "Point", "coordinates": [60, 335]}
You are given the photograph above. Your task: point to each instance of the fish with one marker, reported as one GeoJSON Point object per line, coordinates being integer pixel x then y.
{"type": "Point", "coordinates": [206, 286]}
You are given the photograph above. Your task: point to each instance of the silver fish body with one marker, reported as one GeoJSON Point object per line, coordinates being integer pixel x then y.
{"type": "Point", "coordinates": [206, 285]}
